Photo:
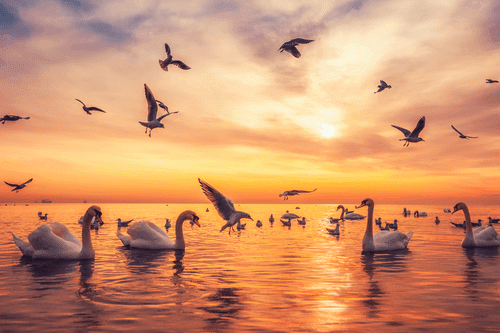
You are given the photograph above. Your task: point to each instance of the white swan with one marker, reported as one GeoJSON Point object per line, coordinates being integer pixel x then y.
{"type": "Point", "coordinates": [349, 216]}
{"type": "Point", "coordinates": [481, 236]}
{"type": "Point", "coordinates": [55, 241]}
{"type": "Point", "coordinates": [146, 235]}
{"type": "Point", "coordinates": [384, 240]}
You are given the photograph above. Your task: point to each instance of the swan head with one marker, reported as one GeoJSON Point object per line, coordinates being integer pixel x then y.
{"type": "Point", "coordinates": [459, 206]}
{"type": "Point", "coordinates": [191, 217]}
{"type": "Point", "coordinates": [95, 211]}
{"type": "Point", "coordinates": [339, 206]}
{"type": "Point", "coordinates": [366, 202]}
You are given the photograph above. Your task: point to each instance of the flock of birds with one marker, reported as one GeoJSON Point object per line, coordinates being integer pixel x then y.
{"type": "Point", "coordinates": [54, 240]}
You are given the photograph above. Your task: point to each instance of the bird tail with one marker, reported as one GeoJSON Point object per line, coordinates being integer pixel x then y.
{"type": "Point", "coordinates": [24, 246]}
{"type": "Point", "coordinates": [125, 239]}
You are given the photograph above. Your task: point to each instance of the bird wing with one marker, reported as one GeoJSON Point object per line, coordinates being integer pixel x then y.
{"type": "Point", "coordinates": [92, 108]}
{"type": "Point", "coordinates": [180, 64]}
{"type": "Point", "coordinates": [167, 49]}
{"type": "Point", "coordinates": [294, 51]}
{"type": "Point", "coordinates": [301, 41]}
{"type": "Point", "coordinates": [420, 126]}
{"type": "Point", "coordinates": [223, 205]}
{"type": "Point", "coordinates": [26, 182]}
{"type": "Point", "coordinates": [13, 185]}
{"type": "Point", "coordinates": [456, 130]}
{"type": "Point", "coordinates": [382, 82]}
{"type": "Point", "coordinates": [300, 191]}
{"type": "Point", "coordinates": [161, 118]}
{"type": "Point", "coordinates": [152, 106]}
{"type": "Point", "coordinates": [80, 101]}
{"type": "Point", "coordinates": [404, 130]}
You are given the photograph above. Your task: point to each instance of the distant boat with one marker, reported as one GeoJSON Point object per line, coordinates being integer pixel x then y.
{"type": "Point", "coordinates": [46, 201]}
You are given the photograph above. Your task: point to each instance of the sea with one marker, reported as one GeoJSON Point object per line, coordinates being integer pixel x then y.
{"type": "Point", "coordinates": [270, 279]}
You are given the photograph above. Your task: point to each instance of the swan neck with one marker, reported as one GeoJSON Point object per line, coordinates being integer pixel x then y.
{"type": "Point", "coordinates": [87, 248]}
{"type": "Point", "coordinates": [468, 222]}
{"type": "Point", "coordinates": [179, 235]}
{"type": "Point", "coordinates": [368, 244]}
{"type": "Point", "coordinates": [343, 211]}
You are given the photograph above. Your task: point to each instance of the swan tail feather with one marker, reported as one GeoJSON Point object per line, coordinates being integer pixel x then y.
{"type": "Point", "coordinates": [125, 239]}
{"type": "Point", "coordinates": [24, 246]}
{"type": "Point", "coordinates": [408, 237]}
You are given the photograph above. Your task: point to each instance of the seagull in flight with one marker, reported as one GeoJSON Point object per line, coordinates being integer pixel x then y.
{"type": "Point", "coordinates": [152, 122]}
{"type": "Point", "coordinates": [9, 117]}
{"type": "Point", "coordinates": [17, 187]}
{"type": "Point", "coordinates": [293, 192]}
{"type": "Point", "coordinates": [164, 63]}
{"type": "Point", "coordinates": [491, 81]}
{"type": "Point", "coordinates": [88, 109]}
{"type": "Point", "coordinates": [412, 136]}
{"type": "Point", "coordinates": [382, 86]}
{"type": "Point", "coordinates": [164, 107]}
{"type": "Point", "coordinates": [290, 46]}
{"type": "Point", "coordinates": [224, 206]}
{"type": "Point", "coordinates": [462, 135]}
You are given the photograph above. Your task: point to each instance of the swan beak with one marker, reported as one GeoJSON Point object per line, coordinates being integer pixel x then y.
{"type": "Point", "coordinates": [362, 205]}
{"type": "Point", "coordinates": [195, 220]}
{"type": "Point", "coordinates": [98, 216]}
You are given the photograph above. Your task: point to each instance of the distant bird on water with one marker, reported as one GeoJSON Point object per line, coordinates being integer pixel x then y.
{"type": "Point", "coordinates": [224, 206]}
{"type": "Point", "coordinates": [293, 192]}
{"type": "Point", "coordinates": [382, 86]}
{"type": "Point", "coordinates": [462, 135]}
{"type": "Point", "coordinates": [88, 109]}
{"type": "Point", "coordinates": [290, 46]}
{"type": "Point", "coordinates": [152, 122]}
{"type": "Point", "coordinates": [491, 81]}
{"type": "Point", "coordinates": [164, 107]}
{"type": "Point", "coordinates": [164, 63]}
{"type": "Point", "coordinates": [9, 117]}
{"type": "Point", "coordinates": [17, 187]}
{"type": "Point", "coordinates": [412, 136]}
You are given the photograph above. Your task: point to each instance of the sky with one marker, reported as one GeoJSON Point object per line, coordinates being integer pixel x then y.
{"type": "Point", "coordinates": [252, 122]}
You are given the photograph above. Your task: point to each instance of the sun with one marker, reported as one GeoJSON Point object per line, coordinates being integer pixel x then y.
{"type": "Point", "coordinates": [327, 130]}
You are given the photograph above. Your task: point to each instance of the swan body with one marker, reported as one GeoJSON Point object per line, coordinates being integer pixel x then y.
{"type": "Point", "coordinates": [349, 216]}
{"type": "Point", "coordinates": [290, 216]}
{"type": "Point", "coordinates": [485, 236]}
{"type": "Point", "coordinates": [147, 235]}
{"type": "Point", "coordinates": [384, 240]}
{"type": "Point", "coordinates": [55, 241]}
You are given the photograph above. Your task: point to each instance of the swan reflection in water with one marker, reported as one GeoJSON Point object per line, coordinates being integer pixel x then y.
{"type": "Point", "coordinates": [377, 264]}
{"type": "Point", "coordinates": [225, 304]}
{"type": "Point", "coordinates": [476, 271]}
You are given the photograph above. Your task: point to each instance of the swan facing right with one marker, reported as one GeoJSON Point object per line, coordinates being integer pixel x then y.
{"type": "Point", "coordinates": [383, 240]}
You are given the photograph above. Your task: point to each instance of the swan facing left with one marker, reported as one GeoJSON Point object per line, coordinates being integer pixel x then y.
{"type": "Point", "coordinates": [383, 240]}
{"type": "Point", "coordinates": [484, 236]}
{"type": "Point", "coordinates": [55, 241]}
{"type": "Point", "coordinates": [146, 235]}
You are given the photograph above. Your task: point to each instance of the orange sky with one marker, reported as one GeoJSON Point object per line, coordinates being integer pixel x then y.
{"type": "Point", "coordinates": [252, 122]}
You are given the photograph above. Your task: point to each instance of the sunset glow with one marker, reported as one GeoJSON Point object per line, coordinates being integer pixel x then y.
{"type": "Point", "coordinates": [252, 122]}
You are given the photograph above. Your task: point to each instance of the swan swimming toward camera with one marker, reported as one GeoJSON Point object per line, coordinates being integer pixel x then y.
{"type": "Point", "coordinates": [485, 236]}
{"type": "Point", "coordinates": [383, 240]}
{"type": "Point", "coordinates": [55, 241]}
{"type": "Point", "coordinates": [147, 235]}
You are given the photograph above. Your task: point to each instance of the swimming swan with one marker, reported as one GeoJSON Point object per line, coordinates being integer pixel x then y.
{"type": "Point", "coordinates": [146, 235]}
{"type": "Point", "coordinates": [485, 236]}
{"type": "Point", "coordinates": [349, 216]}
{"type": "Point", "coordinates": [55, 241]}
{"type": "Point", "coordinates": [383, 240]}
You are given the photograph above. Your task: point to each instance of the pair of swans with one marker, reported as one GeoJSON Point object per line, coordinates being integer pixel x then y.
{"type": "Point", "coordinates": [55, 241]}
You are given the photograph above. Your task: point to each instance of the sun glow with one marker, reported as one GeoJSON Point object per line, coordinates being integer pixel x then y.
{"type": "Point", "coordinates": [327, 130]}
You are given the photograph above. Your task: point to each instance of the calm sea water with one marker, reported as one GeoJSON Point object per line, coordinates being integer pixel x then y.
{"type": "Point", "coordinates": [272, 279]}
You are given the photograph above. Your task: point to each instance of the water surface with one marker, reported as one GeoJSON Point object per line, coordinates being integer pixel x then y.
{"type": "Point", "coordinates": [272, 279]}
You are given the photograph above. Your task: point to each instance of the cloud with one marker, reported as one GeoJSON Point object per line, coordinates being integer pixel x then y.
{"type": "Point", "coordinates": [12, 24]}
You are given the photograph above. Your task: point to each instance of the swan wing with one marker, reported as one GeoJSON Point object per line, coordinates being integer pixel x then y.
{"type": "Point", "coordinates": [152, 106]}
{"type": "Point", "coordinates": [391, 240]}
{"type": "Point", "coordinates": [420, 126]}
{"type": "Point", "coordinates": [486, 236]}
{"type": "Point", "coordinates": [147, 235]}
{"type": "Point", "coordinates": [404, 130]}
{"type": "Point", "coordinates": [54, 240]}
{"type": "Point", "coordinates": [223, 205]}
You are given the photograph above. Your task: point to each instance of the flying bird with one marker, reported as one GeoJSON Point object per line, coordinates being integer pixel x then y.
{"type": "Point", "coordinates": [164, 107]}
{"type": "Point", "coordinates": [293, 192]}
{"type": "Point", "coordinates": [382, 86]}
{"type": "Point", "coordinates": [224, 206]}
{"type": "Point", "coordinates": [491, 81]}
{"type": "Point", "coordinates": [290, 46]}
{"type": "Point", "coordinates": [412, 136]}
{"type": "Point", "coordinates": [17, 187]}
{"type": "Point", "coordinates": [164, 63]}
{"type": "Point", "coordinates": [88, 109]}
{"type": "Point", "coordinates": [152, 122]}
{"type": "Point", "coordinates": [9, 117]}
{"type": "Point", "coordinates": [462, 135]}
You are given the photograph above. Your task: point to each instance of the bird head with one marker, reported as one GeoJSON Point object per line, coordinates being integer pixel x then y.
{"type": "Point", "coordinates": [458, 206]}
{"type": "Point", "coordinates": [192, 217]}
{"type": "Point", "coordinates": [366, 202]}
